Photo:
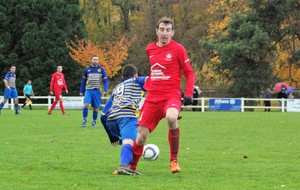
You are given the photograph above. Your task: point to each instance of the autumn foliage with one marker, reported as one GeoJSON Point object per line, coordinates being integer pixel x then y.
{"type": "Point", "coordinates": [218, 15]}
{"type": "Point", "coordinates": [111, 53]}
{"type": "Point", "coordinates": [289, 73]}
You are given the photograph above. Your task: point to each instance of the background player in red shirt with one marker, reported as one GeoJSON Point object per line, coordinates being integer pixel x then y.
{"type": "Point", "coordinates": [58, 83]}
{"type": "Point", "coordinates": [168, 60]}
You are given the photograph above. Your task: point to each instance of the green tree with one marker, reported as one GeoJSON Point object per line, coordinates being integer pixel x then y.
{"type": "Point", "coordinates": [256, 41]}
{"type": "Point", "coordinates": [101, 20]}
{"type": "Point", "coordinates": [244, 56]}
{"type": "Point", "coordinates": [33, 36]}
{"type": "Point", "coordinates": [126, 7]}
{"type": "Point", "coordinates": [281, 20]}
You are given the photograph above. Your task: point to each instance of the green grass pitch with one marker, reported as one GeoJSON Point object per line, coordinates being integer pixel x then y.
{"type": "Point", "coordinates": [218, 150]}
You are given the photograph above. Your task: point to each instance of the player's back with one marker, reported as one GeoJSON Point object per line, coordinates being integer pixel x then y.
{"type": "Point", "coordinates": [126, 98]}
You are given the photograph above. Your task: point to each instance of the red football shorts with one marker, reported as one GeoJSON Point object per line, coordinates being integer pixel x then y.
{"type": "Point", "coordinates": [155, 108]}
{"type": "Point", "coordinates": [58, 95]}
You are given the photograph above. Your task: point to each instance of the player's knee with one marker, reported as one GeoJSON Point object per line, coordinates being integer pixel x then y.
{"type": "Point", "coordinates": [172, 118]}
{"type": "Point", "coordinates": [142, 135]}
{"type": "Point", "coordinates": [127, 141]}
{"type": "Point", "coordinates": [172, 121]}
{"type": "Point", "coordinates": [172, 115]}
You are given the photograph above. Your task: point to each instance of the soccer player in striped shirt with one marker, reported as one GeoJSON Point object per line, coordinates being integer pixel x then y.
{"type": "Point", "coordinates": [90, 87]}
{"type": "Point", "coordinates": [119, 116]}
{"type": "Point", "coordinates": [10, 90]}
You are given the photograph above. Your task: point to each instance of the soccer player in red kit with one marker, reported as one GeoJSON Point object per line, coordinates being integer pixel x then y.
{"type": "Point", "coordinates": [58, 83]}
{"type": "Point", "coordinates": [168, 60]}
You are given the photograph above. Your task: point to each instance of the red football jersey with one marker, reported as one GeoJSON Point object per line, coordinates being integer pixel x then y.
{"type": "Point", "coordinates": [167, 64]}
{"type": "Point", "coordinates": [58, 82]}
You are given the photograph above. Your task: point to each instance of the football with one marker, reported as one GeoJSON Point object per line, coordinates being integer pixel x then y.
{"type": "Point", "coordinates": [150, 152]}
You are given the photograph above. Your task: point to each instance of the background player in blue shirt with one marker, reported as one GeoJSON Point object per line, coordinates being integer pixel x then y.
{"type": "Point", "coordinates": [90, 88]}
{"type": "Point", "coordinates": [119, 116]}
{"type": "Point", "coordinates": [27, 90]}
{"type": "Point", "coordinates": [10, 90]}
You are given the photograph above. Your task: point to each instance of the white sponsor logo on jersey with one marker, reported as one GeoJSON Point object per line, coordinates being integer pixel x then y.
{"type": "Point", "coordinates": [60, 82]}
{"type": "Point", "coordinates": [169, 57]}
{"type": "Point", "coordinates": [157, 72]}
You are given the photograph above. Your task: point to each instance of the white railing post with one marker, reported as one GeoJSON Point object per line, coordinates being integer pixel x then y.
{"type": "Point", "coordinates": [282, 104]}
{"type": "Point", "coordinates": [12, 103]}
{"type": "Point", "coordinates": [202, 104]}
{"type": "Point", "coordinates": [242, 104]}
{"type": "Point", "coordinates": [49, 102]}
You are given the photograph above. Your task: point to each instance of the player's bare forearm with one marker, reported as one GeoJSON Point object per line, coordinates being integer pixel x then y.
{"type": "Point", "coordinates": [6, 84]}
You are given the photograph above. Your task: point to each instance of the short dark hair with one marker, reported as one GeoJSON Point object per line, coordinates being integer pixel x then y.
{"type": "Point", "coordinates": [129, 71]}
{"type": "Point", "coordinates": [94, 56]}
{"type": "Point", "coordinates": [165, 20]}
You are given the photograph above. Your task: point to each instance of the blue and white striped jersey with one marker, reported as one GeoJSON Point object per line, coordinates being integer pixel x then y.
{"type": "Point", "coordinates": [125, 99]}
{"type": "Point", "coordinates": [11, 79]}
{"type": "Point", "coordinates": [92, 78]}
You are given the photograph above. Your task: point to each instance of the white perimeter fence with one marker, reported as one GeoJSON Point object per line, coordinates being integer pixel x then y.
{"type": "Point", "coordinates": [203, 103]}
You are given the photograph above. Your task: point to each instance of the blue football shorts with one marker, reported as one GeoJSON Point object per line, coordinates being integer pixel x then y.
{"type": "Point", "coordinates": [10, 93]}
{"type": "Point", "coordinates": [126, 128]}
{"type": "Point", "coordinates": [93, 97]}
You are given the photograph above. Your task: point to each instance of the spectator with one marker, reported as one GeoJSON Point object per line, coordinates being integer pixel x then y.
{"type": "Point", "coordinates": [196, 95]}
{"type": "Point", "coordinates": [267, 103]}
{"type": "Point", "coordinates": [281, 95]}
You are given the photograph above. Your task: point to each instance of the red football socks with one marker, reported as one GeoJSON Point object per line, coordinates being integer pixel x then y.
{"type": "Point", "coordinates": [174, 143]}
{"type": "Point", "coordinates": [137, 153]}
{"type": "Point", "coordinates": [52, 106]}
{"type": "Point", "coordinates": [61, 107]}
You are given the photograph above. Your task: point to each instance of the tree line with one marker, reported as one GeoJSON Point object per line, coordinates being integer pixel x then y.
{"type": "Point", "coordinates": [243, 46]}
